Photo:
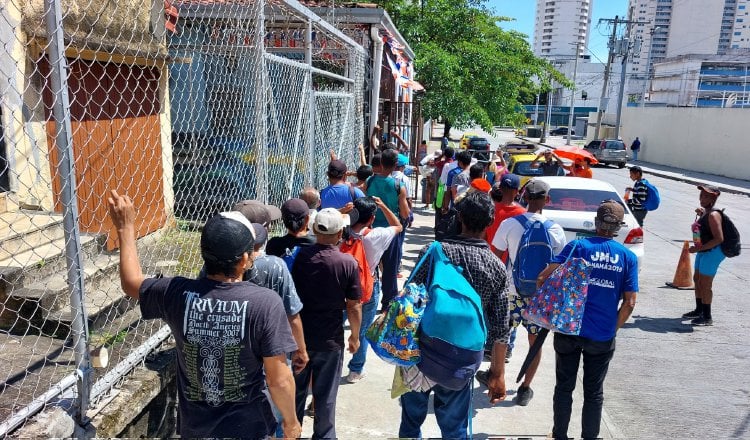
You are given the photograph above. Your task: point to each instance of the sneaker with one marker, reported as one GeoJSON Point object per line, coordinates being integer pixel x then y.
{"type": "Point", "coordinates": [354, 377]}
{"type": "Point", "coordinates": [523, 396]}
{"type": "Point", "coordinates": [702, 321]}
{"type": "Point", "coordinates": [483, 377]}
{"type": "Point", "coordinates": [691, 314]}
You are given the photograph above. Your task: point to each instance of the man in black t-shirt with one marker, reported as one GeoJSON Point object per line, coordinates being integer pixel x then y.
{"type": "Point", "coordinates": [551, 165]}
{"type": "Point", "coordinates": [327, 281]}
{"type": "Point", "coordinates": [227, 331]}
{"type": "Point", "coordinates": [295, 214]}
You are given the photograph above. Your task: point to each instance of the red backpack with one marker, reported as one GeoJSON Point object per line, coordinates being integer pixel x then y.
{"type": "Point", "coordinates": [354, 247]}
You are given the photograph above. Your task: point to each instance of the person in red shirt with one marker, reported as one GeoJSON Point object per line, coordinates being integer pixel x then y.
{"type": "Point", "coordinates": [504, 193]}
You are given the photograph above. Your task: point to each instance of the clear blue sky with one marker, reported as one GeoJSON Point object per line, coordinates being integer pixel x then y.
{"type": "Point", "coordinates": [523, 11]}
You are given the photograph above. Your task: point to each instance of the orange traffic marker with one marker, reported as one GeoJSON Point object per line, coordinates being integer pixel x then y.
{"type": "Point", "coordinates": [683, 276]}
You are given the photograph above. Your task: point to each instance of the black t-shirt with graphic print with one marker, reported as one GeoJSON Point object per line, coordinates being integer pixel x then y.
{"type": "Point", "coordinates": [223, 331]}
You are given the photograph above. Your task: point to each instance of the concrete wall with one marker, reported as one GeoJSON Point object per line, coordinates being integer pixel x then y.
{"type": "Point", "coordinates": [698, 139]}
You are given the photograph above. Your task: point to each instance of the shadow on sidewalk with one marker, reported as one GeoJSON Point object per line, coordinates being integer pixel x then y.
{"type": "Point", "coordinates": [659, 325]}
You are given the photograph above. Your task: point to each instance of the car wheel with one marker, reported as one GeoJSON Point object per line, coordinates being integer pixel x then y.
{"type": "Point", "coordinates": [621, 165]}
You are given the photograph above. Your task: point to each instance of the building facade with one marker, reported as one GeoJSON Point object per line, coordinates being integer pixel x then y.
{"type": "Point", "coordinates": [703, 81]}
{"type": "Point", "coordinates": [696, 27]}
{"type": "Point", "coordinates": [559, 26]}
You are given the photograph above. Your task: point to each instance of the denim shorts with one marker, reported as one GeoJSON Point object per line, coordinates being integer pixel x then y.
{"type": "Point", "coordinates": [707, 263]}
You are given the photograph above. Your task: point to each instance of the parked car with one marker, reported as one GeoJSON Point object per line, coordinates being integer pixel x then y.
{"type": "Point", "coordinates": [609, 151]}
{"type": "Point", "coordinates": [520, 164]}
{"type": "Point", "coordinates": [561, 131]}
{"type": "Point", "coordinates": [466, 138]}
{"type": "Point", "coordinates": [480, 148]}
{"type": "Point", "coordinates": [573, 204]}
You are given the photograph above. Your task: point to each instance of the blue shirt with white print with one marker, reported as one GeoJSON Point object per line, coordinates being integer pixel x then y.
{"type": "Point", "coordinates": [615, 270]}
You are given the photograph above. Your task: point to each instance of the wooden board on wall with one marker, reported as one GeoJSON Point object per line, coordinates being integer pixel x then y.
{"type": "Point", "coordinates": [116, 143]}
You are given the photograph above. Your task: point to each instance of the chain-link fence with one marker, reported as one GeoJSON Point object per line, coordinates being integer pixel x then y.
{"type": "Point", "coordinates": [186, 106]}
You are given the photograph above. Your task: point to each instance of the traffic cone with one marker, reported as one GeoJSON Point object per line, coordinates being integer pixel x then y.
{"type": "Point", "coordinates": [683, 276]}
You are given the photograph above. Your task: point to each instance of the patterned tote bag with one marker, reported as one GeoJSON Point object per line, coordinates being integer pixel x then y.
{"type": "Point", "coordinates": [393, 336]}
{"type": "Point", "coordinates": [559, 304]}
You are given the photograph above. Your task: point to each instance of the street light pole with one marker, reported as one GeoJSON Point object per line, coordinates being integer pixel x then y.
{"type": "Point", "coordinates": [573, 95]}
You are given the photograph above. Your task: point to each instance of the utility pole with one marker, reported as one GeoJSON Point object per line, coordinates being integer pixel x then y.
{"type": "Point", "coordinates": [573, 94]}
{"type": "Point", "coordinates": [610, 58]}
{"type": "Point", "coordinates": [625, 49]}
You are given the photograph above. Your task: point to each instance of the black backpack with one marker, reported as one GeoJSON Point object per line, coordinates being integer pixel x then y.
{"type": "Point", "coordinates": [731, 244]}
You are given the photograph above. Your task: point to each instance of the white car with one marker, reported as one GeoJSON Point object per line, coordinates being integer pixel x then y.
{"type": "Point", "coordinates": [573, 204]}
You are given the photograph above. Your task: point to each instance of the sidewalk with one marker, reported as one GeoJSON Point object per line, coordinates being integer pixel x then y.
{"type": "Point", "coordinates": [366, 410]}
{"type": "Point", "coordinates": [725, 184]}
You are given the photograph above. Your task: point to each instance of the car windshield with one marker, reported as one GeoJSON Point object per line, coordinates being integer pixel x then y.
{"type": "Point", "coordinates": [575, 199]}
{"type": "Point", "coordinates": [615, 145]}
{"type": "Point", "coordinates": [524, 169]}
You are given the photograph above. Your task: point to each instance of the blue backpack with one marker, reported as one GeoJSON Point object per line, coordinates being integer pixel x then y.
{"type": "Point", "coordinates": [289, 256]}
{"type": "Point", "coordinates": [452, 332]}
{"type": "Point", "coordinates": [533, 255]}
{"type": "Point", "coordinates": [652, 196]}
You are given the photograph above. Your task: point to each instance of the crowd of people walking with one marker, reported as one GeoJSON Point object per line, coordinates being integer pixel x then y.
{"type": "Point", "coordinates": [263, 325]}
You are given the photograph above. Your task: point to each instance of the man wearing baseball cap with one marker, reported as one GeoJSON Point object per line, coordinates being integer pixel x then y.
{"type": "Point", "coordinates": [327, 282]}
{"type": "Point", "coordinates": [258, 212]}
{"type": "Point", "coordinates": [504, 193]}
{"type": "Point", "coordinates": [338, 193]}
{"type": "Point", "coordinates": [238, 328]}
{"type": "Point", "coordinates": [508, 240]}
{"type": "Point", "coordinates": [296, 215]}
{"type": "Point", "coordinates": [612, 291]}
{"type": "Point", "coordinates": [708, 234]}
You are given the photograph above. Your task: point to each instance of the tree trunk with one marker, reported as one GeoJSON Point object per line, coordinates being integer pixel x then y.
{"type": "Point", "coordinates": [447, 129]}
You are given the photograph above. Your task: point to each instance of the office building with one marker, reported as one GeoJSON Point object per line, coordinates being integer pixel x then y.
{"type": "Point", "coordinates": [675, 30]}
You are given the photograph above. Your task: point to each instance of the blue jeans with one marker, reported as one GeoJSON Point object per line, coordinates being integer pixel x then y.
{"type": "Point", "coordinates": [389, 280]}
{"type": "Point", "coordinates": [369, 309]}
{"type": "Point", "coordinates": [451, 412]}
{"type": "Point", "coordinates": [635, 154]}
{"type": "Point", "coordinates": [324, 370]}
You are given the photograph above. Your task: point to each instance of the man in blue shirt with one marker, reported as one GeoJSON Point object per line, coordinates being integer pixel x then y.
{"type": "Point", "coordinates": [339, 193]}
{"type": "Point", "coordinates": [612, 290]}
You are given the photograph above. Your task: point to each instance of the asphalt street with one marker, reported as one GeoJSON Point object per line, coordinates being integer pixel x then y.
{"type": "Point", "coordinates": [667, 379]}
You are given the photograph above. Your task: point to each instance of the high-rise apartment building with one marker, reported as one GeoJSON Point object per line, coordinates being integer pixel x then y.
{"type": "Point", "coordinates": [688, 27]}
{"type": "Point", "coordinates": [560, 25]}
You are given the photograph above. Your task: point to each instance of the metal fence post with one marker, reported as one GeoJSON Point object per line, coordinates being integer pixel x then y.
{"type": "Point", "coordinates": [73, 254]}
{"type": "Point", "coordinates": [260, 96]}
{"type": "Point", "coordinates": [310, 139]}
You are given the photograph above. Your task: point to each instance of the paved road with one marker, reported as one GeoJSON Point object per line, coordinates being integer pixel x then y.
{"type": "Point", "coordinates": [667, 380]}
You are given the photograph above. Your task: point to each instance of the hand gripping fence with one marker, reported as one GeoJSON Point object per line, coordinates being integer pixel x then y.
{"type": "Point", "coordinates": [187, 106]}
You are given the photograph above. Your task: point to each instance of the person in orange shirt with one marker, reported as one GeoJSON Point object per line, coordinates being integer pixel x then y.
{"type": "Point", "coordinates": [582, 169]}
{"type": "Point", "coordinates": [504, 193]}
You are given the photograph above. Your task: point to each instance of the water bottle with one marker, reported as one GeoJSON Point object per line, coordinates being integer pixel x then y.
{"type": "Point", "coordinates": [696, 227]}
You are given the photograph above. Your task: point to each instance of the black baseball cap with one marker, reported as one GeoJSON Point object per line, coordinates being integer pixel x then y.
{"type": "Point", "coordinates": [294, 209]}
{"type": "Point", "coordinates": [261, 233]}
{"type": "Point", "coordinates": [226, 236]}
{"type": "Point", "coordinates": [336, 168]}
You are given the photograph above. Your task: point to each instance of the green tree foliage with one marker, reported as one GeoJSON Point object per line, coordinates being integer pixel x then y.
{"type": "Point", "coordinates": [474, 72]}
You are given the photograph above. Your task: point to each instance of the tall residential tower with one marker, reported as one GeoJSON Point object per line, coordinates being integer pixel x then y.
{"type": "Point", "coordinates": [560, 25]}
